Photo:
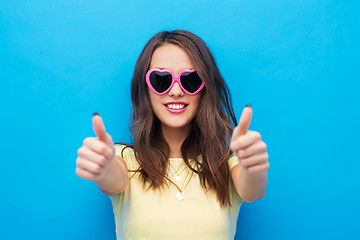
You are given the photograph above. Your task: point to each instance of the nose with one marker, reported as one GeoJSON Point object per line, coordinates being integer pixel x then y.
{"type": "Point", "coordinates": [176, 90]}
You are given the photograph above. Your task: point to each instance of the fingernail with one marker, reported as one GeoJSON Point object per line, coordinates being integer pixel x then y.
{"type": "Point", "coordinates": [95, 113]}
{"type": "Point", "coordinates": [249, 105]}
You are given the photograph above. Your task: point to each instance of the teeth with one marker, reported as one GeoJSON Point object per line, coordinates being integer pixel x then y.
{"type": "Point", "coordinates": [176, 106]}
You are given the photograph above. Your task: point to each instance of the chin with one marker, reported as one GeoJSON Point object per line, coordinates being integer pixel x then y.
{"type": "Point", "coordinates": [176, 124]}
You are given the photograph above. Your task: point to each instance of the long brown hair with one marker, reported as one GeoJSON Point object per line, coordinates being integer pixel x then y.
{"type": "Point", "coordinates": [211, 127]}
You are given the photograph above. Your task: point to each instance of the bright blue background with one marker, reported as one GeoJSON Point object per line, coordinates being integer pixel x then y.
{"type": "Point", "coordinates": [295, 61]}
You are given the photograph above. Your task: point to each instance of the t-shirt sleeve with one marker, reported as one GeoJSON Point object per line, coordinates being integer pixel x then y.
{"type": "Point", "coordinates": [121, 151]}
{"type": "Point", "coordinates": [233, 161]}
{"type": "Point", "coordinates": [235, 200]}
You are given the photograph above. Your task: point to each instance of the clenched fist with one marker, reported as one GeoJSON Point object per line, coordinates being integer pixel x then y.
{"type": "Point", "coordinates": [96, 153]}
{"type": "Point", "coordinates": [248, 146]}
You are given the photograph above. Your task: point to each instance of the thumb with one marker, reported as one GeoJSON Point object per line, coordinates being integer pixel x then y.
{"type": "Point", "coordinates": [244, 122]}
{"type": "Point", "coordinates": [99, 129]}
{"type": "Point", "coordinates": [245, 119]}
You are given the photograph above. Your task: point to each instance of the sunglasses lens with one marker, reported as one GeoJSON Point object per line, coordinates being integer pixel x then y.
{"type": "Point", "coordinates": [190, 81]}
{"type": "Point", "coordinates": [160, 81]}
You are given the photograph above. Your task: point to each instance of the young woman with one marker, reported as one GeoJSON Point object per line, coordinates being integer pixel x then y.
{"type": "Point", "coordinates": [180, 178]}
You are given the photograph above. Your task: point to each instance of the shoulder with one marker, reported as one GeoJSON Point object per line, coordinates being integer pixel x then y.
{"type": "Point", "coordinates": [126, 152]}
{"type": "Point", "coordinates": [233, 161]}
{"type": "Point", "coordinates": [122, 149]}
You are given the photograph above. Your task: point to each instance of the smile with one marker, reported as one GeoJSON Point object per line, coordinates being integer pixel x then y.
{"type": "Point", "coordinates": [178, 107]}
{"type": "Point", "coordinates": [175, 106]}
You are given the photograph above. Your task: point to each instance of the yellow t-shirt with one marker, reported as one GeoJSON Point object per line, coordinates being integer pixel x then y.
{"type": "Point", "coordinates": [153, 214]}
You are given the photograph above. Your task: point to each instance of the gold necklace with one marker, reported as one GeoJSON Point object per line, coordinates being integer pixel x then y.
{"type": "Point", "coordinates": [177, 177]}
{"type": "Point", "coordinates": [181, 195]}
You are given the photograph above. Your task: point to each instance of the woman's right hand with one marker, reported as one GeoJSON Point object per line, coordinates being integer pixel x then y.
{"type": "Point", "coordinates": [96, 153]}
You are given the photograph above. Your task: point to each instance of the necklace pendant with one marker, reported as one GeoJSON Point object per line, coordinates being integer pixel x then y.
{"type": "Point", "coordinates": [180, 196]}
{"type": "Point", "coordinates": [177, 178]}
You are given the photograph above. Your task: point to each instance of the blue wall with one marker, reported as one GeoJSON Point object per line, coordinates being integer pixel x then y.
{"type": "Point", "coordinates": [295, 61]}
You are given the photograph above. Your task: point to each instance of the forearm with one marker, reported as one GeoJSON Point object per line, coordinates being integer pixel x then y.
{"type": "Point", "coordinates": [251, 186]}
{"type": "Point", "coordinates": [116, 178]}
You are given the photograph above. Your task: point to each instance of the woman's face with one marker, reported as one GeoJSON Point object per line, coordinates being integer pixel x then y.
{"type": "Point", "coordinates": [175, 109]}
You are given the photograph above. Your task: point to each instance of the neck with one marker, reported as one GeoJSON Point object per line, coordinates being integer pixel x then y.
{"type": "Point", "coordinates": [174, 138]}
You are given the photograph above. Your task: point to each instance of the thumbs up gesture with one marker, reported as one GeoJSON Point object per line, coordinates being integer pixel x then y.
{"type": "Point", "coordinates": [248, 146]}
{"type": "Point", "coordinates": [96, 153]}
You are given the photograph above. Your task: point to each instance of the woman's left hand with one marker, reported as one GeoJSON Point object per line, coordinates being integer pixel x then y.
{"type": "Point", "coordinates": [248, 146]}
